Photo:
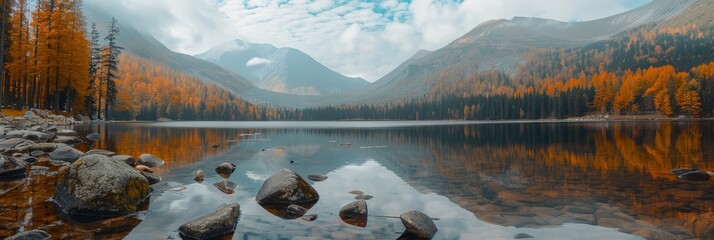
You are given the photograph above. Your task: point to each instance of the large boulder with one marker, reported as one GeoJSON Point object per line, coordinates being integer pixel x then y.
{"type": "Point", "coordinates": [67, 154]}
{"type": "Point", "coordinates": [97, 187]}
{"type": "Point", "coordinates": [150, 160]}
{"type": "Point", "coordinates": [419, 224]}
{"type": "Point", "coordinates": [286, 187]}
{"type": "Point", "coordinates": [355, 213]}
{"type": "Point", "coordinates": [12, 168]}
{"type": "Point", "coordinates": [31, 235]}
{"type": "Point", "coordinates": [218, 223]}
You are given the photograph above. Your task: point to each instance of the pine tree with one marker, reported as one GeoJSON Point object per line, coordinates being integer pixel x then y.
{"type": "Point", "coordinates": [95, 53]}
{"type": "Point", "coordinates": [111, 66]}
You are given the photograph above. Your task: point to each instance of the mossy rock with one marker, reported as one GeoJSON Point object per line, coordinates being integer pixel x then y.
{"type": "Point", "coordinates": [97, 187]}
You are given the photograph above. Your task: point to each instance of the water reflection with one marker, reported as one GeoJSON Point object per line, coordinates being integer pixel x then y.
{"type": "Point", "coordinates": [550, 180]}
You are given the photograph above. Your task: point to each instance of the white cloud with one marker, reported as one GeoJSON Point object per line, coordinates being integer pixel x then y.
{"type": "Point", "coordinates": [355, 38]}
{"type": "Point", "coordinates": [257, 61]}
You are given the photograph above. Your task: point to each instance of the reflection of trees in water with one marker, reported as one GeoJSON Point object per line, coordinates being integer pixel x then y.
{"type": "Point", "coordinates": [612, 174]}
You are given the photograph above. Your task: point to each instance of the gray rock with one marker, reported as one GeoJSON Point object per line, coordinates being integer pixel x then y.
{"type": "Point", "coordinates": [309, 217]}
{"type": "Point", "coordinates": [36, 128]}
{"type": "Point", "coordinates": [101, 152]}
{"type": "Point", "coordinates": [28, 159]}
{"type": "Point", "coordinates": [418, 224]}
{"type": "Point", "coordinates": [317, 177]}
{"type": "Point", "coordinates": [27, 134]}
{"type": "Point", "coordinates": [355, 213]}
{"type": "Point", "coordinates": [67, 140]}
{"type": "Point", "coordinates": [151, 178]}
{"type": "Point", "coordinates": [129, 160]}
{"type": "Point", "coordinates": [364, 197]}
{"type": "Point", "coordinates": [31, 235]}
{"type": "Point", "coordinates": [286, 187]}
{"type": "Point", "coordinates": [11, 143]}
{"type": "Point", "coordinates": [680, 171]}
{"type": "Point", "coordinates": [356, 192]}
{"type": "Point", "coordinates": [67, 133]}
{"type": "Point", "coordinates": [698, 175]}
{"type": "Point", "coordinates": [67, 154]}
{"type": "Point", "coordinates": [93, 136]}
{"type": "Point", "coordinates": [12, 168]}
{"type": "Point", "coordinates": [17, 155]}
{"type": "Point", "coordinates": [150, 160]}
{"type": "Point", "coordinates": [96, 187]}
{"type": "Point", "coordinates": [522, 236]}
{"type": "Point", "coordinates": [198, 175]}
{"type": "Point", "coordinates": [296, 211]}
{"type": "Point", "coordinates": [52, 129]}
{"type": "Point", "coordinates": [218, 223]}
{"type": "Point", "coordinates": [226, 168]}
{"type": "Point", "coordinates": [226, 186]}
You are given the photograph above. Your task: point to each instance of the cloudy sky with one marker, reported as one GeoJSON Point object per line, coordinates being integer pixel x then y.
{"type": "Point", "coordinates": [356, 38]}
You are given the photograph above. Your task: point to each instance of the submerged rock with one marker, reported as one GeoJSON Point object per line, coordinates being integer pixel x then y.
{"type": "Point", "coordinates": [364, 197]}
{"type": "Point", "coordinates": [418, 224]}
{"type": "Point", "coordinates": [695, 176]}
{"type": "Point", "coordinates": [93, 136]}
{"type": "Point", "coordinates": [286, 187]}
{"type": "Point", "coordinates": [129, 160]}
{"type": "Point", "coordinates": [12, 168]}
{"type": "Point", "coordinates": [97, 187]}
{"type": "Point", "coordinates": [309, 217]}
{"type": "Point", "coordinates": [151, 178]}
{"type": "Point", "coordinates": [67, 154]}
{"type": "Point", "coordinates": [150, 160]}
{"type": "Point", "coordinates": [67, 132]}
{"type": "Point", "coordinates": [226, 168]}
{"type": "Point", "coordinates": [317, 177]}
{"type": "Point", "coordinates": [218, 223]}
{"type": "Point", "coordinates": [31, 235]}
{"type": "Point", "coordinates": [296, 211]}
{"type": "Point", "coordinates": [101, 152]}
{"type": "Point", "coordinates": [356, 192]}
{"type": "Point", "coordinates": [355, 213]}
{"type": "Point", "coordinates": [522, 236]}
{"type": "Point", "coordinates": [226, 186]}
{"type": "Point", "coordinates": [198, 175]}
{"type": "Point", "coordinates": [680, 171]}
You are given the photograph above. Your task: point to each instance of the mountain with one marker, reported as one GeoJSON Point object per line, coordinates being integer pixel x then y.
{"type": "Point", "coordinates": [500, 45]}
{"type": "Point", "coordinates": [285, 70]}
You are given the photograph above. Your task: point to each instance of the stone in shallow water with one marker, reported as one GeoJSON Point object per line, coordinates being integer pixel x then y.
{"type": "Point", "coordinates": [93, 136]}
{"type": "Point", "coordinates": [198, 175]}
{"type": "Point", "coordinates": [286, 187]}
{"type": "Point", "coordinates": [67, 154]}
{"type": "Point", "coordinates": [356, 192]}
{"type": "Point", "coordinates": [30, 235]}
{"type": "Point", "coordinates": [317, 177]}
{"type": "Point", "coordinates": [67, 132]}
{"type": "Point", "coordinates": [355, 213]}
{"type": "Point", "coordinates": [218, 223]}
{"type": "Point", "coordinates": [101, 152]}
{"type": "Point", "coordinates": [67, 140]}
{"type": "Point", "coordinates": [695, 176]}
{"type": "Point", "coordinates": [296, 211]}
{"type": "Point", "coordinates": [680, 171]}
{"type": "Point", "coordinates": [152, 178]}
{"type": "Point", "coordinates": [364, 197]}
{"type": "Point", "coordinates": [226, 168]}
{"type": "Point", "coordinates": [142, 168]}
{"type": "Point", "coordinates": [150, 160]}
{"type": "Point", "coordinates": [309, 217]}
{"type": "Point", "coordinates": [419, 224]}
{"type": "Point", "coordinates": [96, 187]}
{"type": "Point", "coordinates": [226, 186]}
{"type": "Point", "coordinates": [11, 168]}
{"type": "Point", "coordinates": [522, 236]}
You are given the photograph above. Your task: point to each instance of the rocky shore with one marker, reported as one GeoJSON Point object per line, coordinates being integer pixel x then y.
{"type": "Point", "coordinates": [102, 192]}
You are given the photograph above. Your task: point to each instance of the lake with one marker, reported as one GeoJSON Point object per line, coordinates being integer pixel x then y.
{"type": "Point", "coordinates": [479, 180]}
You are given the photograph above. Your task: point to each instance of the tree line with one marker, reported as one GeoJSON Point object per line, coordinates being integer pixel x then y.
{"type": "Point", "coordinates": [50, 62]}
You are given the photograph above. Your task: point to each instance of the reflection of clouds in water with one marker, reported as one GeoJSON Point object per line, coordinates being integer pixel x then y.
{"type": "Point", "coordinates": [393, 196]}
{"type": "Point", "coordinates": [256, 176]}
